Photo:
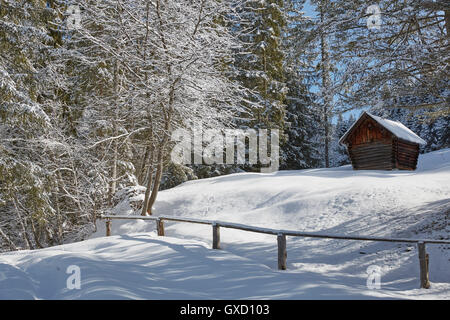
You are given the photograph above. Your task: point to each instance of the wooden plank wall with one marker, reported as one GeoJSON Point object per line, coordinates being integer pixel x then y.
{"type": "Point", "coordinates": [407, 155]}
{"type": "Point", "coordinates": [372, 156]}
{"type": "Point", "coordinates": [369, 131]}
{"type": "Point", "coordinates": [371, 147]}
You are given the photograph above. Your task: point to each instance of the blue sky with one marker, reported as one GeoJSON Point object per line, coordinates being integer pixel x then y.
{"type": "Point", "coordinates": [309, 10]}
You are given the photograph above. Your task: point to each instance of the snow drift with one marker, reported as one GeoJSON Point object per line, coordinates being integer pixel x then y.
{"type": "Point", "coordinates": [136, 264]}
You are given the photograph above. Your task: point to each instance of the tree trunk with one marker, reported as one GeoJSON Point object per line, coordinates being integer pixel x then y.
{"type": "Point", "coordinates": [447, 22]}
{"type": "Point", "coordinates": [327, 140]}
{"type": "Point", "coordinates": [11, 245]}
{"type": "Point", "coordinates": [147, 190]}
{"type": "Point", "coordinates": [36, 235]}
{"type": "Point", "coordinates": [113, 183]}
{"type": "Point", "coordinates": [59, 227]}
{"type": "Point", "coordinates": [151, 152]}
{"type": "Point", "coordinates": [325, 84]}
{"type": "Point", "coordinates": [22, 224]}
{"type": "Point", "coordinates": [141, 172]}
{"type": "Point", "coordinates": [159, 170]}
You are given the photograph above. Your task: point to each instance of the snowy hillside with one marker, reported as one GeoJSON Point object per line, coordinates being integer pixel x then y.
{"type": "Point", "coordinates": [135, 263]}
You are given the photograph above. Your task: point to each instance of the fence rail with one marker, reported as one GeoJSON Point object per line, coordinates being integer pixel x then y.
{"type": "Point", "coordinates": [281, 238]}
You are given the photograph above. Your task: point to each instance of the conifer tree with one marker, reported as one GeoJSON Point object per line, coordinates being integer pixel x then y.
{"type": "Point", "coordinates": [259, 63]}
{"type": "Point", "coordinates": [301, 150]}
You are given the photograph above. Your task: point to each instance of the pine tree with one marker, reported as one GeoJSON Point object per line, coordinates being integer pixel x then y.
{"type": "Point", "coordinates": [322, 73]}
{"type": "Point", "coordinates": [40, 165]}
{"type": "Point", "coordinates": [339, 155]}
{"type": "Point", "coordinates": [300, 151]}
{"type": "Point", "coordinates": [259, 63]}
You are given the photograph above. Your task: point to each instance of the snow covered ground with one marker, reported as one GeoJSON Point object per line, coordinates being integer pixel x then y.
{"type": "Point", "coordinates": [137, 264]}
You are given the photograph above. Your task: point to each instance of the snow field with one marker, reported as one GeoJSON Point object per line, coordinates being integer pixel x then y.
{"type": "Point", "coordinates": [135, 263]}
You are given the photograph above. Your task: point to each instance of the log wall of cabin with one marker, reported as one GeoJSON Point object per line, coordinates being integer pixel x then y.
{"type": "Point", "coordinates": [407, 154]}
{"type": "Point", "coordinates": [370, 147]}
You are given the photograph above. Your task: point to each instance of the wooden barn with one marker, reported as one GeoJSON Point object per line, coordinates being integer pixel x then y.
{"type": "Point", "coordinates": [374, 143]}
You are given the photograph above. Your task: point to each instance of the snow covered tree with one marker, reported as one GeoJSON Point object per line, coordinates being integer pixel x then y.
{"type": "Point", "coordinates": [97, 59]}
{"type": "Point", "coordinates": [259, 62]}
{"type": "Point", "coordinates": [45, 192]}
{"type": "Point", "coordinates": [339, 155]}
{"type": "Point", "coordinates": [300, 151]}
{"type": "Point", "coordinates": [161, 66]}
{"type": "Point", "coordinates": [24, 121]}
{"type": "Point", "coordinates": [321, 70]}
{"type": "Point", "coordinates": [404, 62]}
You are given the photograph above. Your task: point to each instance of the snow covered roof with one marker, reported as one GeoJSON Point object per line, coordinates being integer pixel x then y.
{"type": "Point", "coordinates": [395, 127]}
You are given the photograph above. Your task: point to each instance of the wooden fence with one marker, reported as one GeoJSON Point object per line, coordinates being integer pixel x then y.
{"type": "Point", "coordinates": [281, 238]}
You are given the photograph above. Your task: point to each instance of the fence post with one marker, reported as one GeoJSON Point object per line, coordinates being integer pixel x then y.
{"type": "Point", "coordinates": [160, 227]}
{"type": "Point", "coordinates": [282, 254]}
{"type": "Point", "coordinates": [108, 227]}
{"type": "Point", "coordinates": [216, 236]}
{"type": "Point", "coordinates": [424, 262]}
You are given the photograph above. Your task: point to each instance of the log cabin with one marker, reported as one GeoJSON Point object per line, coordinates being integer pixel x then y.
{"type": "Point", "coordinates": [374, 143]}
